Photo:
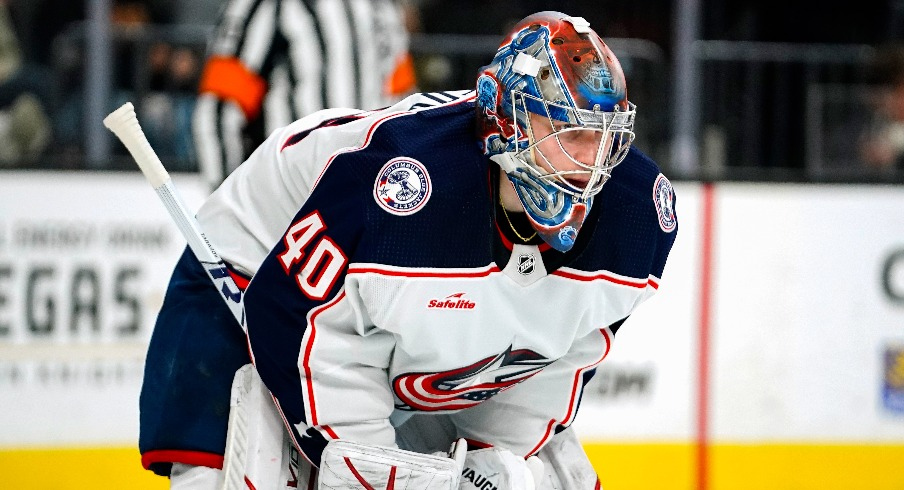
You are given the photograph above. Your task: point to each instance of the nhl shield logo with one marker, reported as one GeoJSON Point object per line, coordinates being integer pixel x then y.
{"type": "Point", "coordinates": [664, 198]}
{"type": "Point", "coordinates": [526, 264]}
{"type": "Point", "coordinates": [402, 186]}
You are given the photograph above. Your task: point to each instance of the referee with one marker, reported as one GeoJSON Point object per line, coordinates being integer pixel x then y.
{"type": "Point", "coordinates": [274, 61]}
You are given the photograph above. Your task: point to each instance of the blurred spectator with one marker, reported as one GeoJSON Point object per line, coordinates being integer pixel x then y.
{"type": "Point", "coordinates": [25, 94]}
{"type": "Point", "coordinates": [169, 105]}
{"type": "Point", "coordinates": [882, 145]}
{"type": "Point", "coordinates": [39, 22]}
{"type": "Point", "coordinates": [273, 62]}
{"type": "Point", "coordinates": [445, 71]}
{"type": "Point", "coordinates": [147, 69]}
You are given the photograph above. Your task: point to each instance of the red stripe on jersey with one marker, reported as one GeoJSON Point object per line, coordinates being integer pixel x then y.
{"type": "Point", "coordinates": [575, 388]}
{"type": "Point", "coordinates": [411, 273]}
{"type": "Point", "coordinates": [336, 121]}
{"type": "Point", "coordinates": [371, 131]}
{"type": "Point", "coordinates": [546, 436]}
{"type": "Point", "coordinates": [305, 363]}
{"type": "Point", "coordinates": [194, 458]}
{"type": "Point", "coordinates": [329, 430]}
{"type": "Point", "coordinates": [605, 276]}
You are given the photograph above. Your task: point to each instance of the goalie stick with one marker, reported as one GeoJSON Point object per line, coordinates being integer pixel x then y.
{"type": "Point", "coordinates": [124, 124]}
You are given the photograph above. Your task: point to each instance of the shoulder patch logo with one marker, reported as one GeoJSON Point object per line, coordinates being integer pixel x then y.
{"type": "Point", "coordinates": [664, 198]}
{"type": "Point", "coordinates": [403, 186]}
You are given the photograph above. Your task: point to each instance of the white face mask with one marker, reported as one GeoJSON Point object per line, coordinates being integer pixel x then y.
{"type": "Point", "coordinates": [568, 156]}
{"type": "Point", "coordinates": [574, 150]}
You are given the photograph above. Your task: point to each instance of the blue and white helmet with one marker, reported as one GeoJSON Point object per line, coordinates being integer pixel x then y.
{"type": "Point", "coordinates": [553, 113]}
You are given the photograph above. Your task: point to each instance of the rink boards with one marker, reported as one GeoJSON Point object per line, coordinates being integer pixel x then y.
{"type": "Point", "coordinates": [772, 356]}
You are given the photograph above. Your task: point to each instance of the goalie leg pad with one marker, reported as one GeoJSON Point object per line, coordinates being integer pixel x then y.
{"type": "Point", "coordinates": [347, 465]}
{"type": "Point", "coordinates": [259, 452]}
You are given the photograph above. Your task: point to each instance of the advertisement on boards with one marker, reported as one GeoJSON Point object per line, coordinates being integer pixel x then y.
{"type": "Point", "coordinates": [84, 263]}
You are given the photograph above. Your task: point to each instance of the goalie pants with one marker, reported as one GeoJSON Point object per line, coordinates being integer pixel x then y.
{"type": "Point", "coordinates": [195, 350]}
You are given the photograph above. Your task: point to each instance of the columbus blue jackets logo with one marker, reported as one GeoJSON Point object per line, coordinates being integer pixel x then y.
{"type": "Point", "coordinates": [664, 197]}
{"type": "Point", "coordinates": [403, 186]}
{"type": "Point", "coordinates": [465, 387]}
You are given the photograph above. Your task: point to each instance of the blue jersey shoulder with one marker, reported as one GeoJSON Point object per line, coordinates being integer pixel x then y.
{"type": "Point", "coordinates": [422, 189]}
{"type": "Point", "coordinates": [633, 178]}
{"type": "Point", "coordinates": [636, 222]}
{"type": "Point", "coordinates": [418, 196]}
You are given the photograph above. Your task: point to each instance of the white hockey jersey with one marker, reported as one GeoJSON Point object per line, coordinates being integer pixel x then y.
{"type": "Point", "coordinates": [382, 283]}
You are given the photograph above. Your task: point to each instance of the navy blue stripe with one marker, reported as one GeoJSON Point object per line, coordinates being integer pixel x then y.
{"type": "Point", "coordinates": [434, 97]}
{"type": "Point", "coordinates": [277, 309]}
{"type": "Point", "coordinates": [295, 138]}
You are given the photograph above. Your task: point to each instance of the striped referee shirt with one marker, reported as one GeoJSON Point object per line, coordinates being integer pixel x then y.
{"type": "Point", "coordinates": [274, 61]}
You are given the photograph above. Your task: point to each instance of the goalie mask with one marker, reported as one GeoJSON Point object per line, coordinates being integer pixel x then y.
{"type": "Point", "coordinates": [553, 114]}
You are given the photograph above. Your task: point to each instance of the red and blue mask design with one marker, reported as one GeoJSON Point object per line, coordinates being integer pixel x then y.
{"type": "Point", "coordinates": [553, 113]}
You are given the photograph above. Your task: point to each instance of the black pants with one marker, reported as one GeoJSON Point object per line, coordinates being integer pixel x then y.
{"type": "Point", "coordinates": [195, 349]}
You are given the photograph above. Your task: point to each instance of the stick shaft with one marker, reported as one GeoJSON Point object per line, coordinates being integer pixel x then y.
{"type": "Point", "coordinates": [124, 124]}
{"type": "Point", "coordinates": [202, 249]}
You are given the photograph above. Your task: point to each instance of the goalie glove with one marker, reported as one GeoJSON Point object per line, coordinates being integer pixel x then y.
{"type": "Point", "coordinates": [347, 465]}
{"type": "Point", "coordinates": [499, 469]}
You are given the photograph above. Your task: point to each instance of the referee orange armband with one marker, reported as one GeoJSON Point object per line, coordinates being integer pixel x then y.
{"type": "Point", "coordinates": [402, 81]}
{"type": "Point", "coordinates": [229, 79]}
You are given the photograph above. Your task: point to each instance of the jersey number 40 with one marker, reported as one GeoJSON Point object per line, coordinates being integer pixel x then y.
{"type": "Point", "coordinates": [321, 266]}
